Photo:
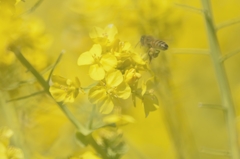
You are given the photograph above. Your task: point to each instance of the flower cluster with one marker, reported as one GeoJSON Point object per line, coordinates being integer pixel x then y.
{"type": "Point", "coordinates": [117, 70]}
{"type": "Point", "coordinates": [63, 89]}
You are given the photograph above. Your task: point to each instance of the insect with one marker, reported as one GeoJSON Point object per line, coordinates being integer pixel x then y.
{"type": "Point", "coordinates": [154, 46]}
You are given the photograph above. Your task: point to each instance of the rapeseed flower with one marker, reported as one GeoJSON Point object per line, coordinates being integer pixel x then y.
{"type": "Point", "coordinates": [106, 91]}
{"type": "Point", "coordinates": [64, 90]}
{"type": "Point", "coordinates": [103, 36]}
{"type": "Point", "coordinates": [100, 63]}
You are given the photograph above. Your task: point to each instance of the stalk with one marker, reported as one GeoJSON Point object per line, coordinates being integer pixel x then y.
{"type": "Point", "coordinates": [226, 99]}
{"type": "Point", "coordinates": [86, 134]}
{"type": "Point", "coordinates": [45, 86]}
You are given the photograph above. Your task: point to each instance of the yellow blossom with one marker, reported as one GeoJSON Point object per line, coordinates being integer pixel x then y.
{"type": "Point", "coordinates": [103, 36]}
{"type": "Point", "coordinates": [114, 87]}
{"type": "Point", "coordinates": [64, 90]}
{"type": "Point", "coordinates": [131, 76]}
{"type": "Point", "coordinates": [100, 64]}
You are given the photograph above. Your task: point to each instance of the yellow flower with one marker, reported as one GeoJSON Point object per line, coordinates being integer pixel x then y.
{"type": "Point", "coordinates": [100, 64]}
{"type": "Point", "coordinates": [64, 90]}
{"type": "Point", "coordinates": [113, 87]}
{"type": "Point", "coordinates": [103, 36]}
{"type": "Point", "coordinates": [131, 76]}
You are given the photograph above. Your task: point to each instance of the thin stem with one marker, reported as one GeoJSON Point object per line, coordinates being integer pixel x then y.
{"type": "Point", "coordinates": [190, 8]}
{"type": "Point", "coordinates": [24, 97]}
{"type": "Point", "coordinates": [35, 6]}
{"type": "Point", "coordinates": [69, 115]}
{"type": "Point", "coordinates": [211, 106]}
{"type": "Point", "coordinates": [45, 86]}
{"type": "Point", "coordinates": [222, 80]}
{"type": "Point", "coordinates": [54, 66]}
{"type": "Point", "coordinates": [215, 152]}
{"type": "Point", "coordinates": [230, 54]}
{"type": "Point", "coordinates": [228, 23]}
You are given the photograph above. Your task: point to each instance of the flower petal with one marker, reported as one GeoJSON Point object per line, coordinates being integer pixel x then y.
{"type": "Point", "coordinates": [96, 72]}
{"type": "Point", "coordinates": [123, 91]}
{"type": "Point", "coordinates": [96, 50]}
{"type": "Point", "coordinates": [107, 106]}
{"type": "Point", "coordinates": [114, 78]}
{"type": "Point", "coordinates": [136, 58]}
{"type": "Point", "coordinates": [96, 32]}
{"type": "Point", "coordinates": [96, 94]}
{"type": "Point", "coordinates": [57, 93]}
{"type": "Point", "coordinates": [111, 31]}
{"type": "Point", "coordinates": [108, 62]}
{"type": "Point", "coordinates": [85, 59]}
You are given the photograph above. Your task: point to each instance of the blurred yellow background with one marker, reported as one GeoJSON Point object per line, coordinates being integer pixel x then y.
{"type": "Point", "coordinates": [179, 129]}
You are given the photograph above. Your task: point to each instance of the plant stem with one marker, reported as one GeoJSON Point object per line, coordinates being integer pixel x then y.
{"type": "Point", "coordinates": [222, 80]}
{"type": "Point", "coordinates": [86, 133]}
{"type": "Point", "coordinates": [45, 86]}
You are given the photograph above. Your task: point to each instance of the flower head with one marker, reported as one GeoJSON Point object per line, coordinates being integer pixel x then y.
{"type": "Point", "coordinates": [100, 63]}
{"type": "Point", "coordinates": [103, 36]}
{"type": "Point", "coordinates": [64, 90]}
{"type": "Point", "coordinates": [104, 93]}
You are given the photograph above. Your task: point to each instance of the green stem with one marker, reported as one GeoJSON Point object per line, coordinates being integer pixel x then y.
{"type": "Point", "coordinates": [45, 86]}
{"type": "Point", "coordinates": [70, 116]}
{"type": "Point", "coordinates": [228, 23]}
{"type": "Point", "coordinates": [222, 80]}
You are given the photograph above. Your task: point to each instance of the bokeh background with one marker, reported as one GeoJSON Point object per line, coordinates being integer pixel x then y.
{"type": "Point", "coordinates": [178, 129]}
